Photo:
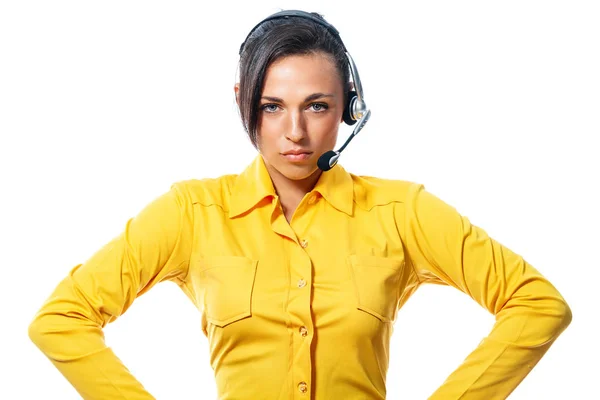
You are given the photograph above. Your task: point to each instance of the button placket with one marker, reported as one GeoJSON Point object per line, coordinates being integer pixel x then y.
{"type": "Point", "coordinates": [299, 307]}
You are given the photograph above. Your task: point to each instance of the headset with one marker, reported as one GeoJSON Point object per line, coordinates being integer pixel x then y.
{"type": "Point", "coordinates": [355, 110]}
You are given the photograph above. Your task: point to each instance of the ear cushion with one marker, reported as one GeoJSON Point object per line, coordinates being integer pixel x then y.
{"type": "Point", "coordinates": [346, 117]}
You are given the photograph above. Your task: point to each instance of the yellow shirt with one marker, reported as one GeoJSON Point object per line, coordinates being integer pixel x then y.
{"type": "Point", "coordinates": [300, 310]}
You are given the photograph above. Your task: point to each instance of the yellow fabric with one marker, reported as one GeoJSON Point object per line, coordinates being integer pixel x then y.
{"type": "Point", "coordinates": [300, 310]}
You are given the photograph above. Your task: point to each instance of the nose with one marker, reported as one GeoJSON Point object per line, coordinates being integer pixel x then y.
{"type": "Point", "coordinates": [296, 126]}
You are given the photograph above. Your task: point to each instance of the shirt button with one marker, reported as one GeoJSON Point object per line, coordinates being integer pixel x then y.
{"type": "Point", "coordinates": [301, 283]}
{"type": "Point", "coordinates": [304, 243]}
{"type": "Point", "coordinates": [312, 199]}
{"type": "Point", "coordinates": [303, 331]}
{"type": "Point", "coordinates": [303, 387]}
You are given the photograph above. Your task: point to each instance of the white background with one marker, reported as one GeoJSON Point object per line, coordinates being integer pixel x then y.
{"type": "Point", "coordinates": [494, 106]}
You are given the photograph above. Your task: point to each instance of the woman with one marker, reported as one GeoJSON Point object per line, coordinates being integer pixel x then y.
{"type": "Point", "coordinates": [299, 270]}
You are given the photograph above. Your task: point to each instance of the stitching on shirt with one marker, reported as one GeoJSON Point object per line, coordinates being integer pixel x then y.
{"type": "Point", "coordinates": [187, 270]}
{"type": "Point", "coordinates": [506, 346]}
{"type": "Point", "coordinates": [180, 199]}
{"type": "Point", "coordinates": [377, 205]}
{"type": "Point", "coordinates": [407, 236]}
{"type": "Point", "coordinates": [106, 377]}
{"type": "Point", "coordinates": [211, 204]}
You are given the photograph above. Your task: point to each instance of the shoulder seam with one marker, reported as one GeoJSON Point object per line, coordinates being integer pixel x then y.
{"type": "Point", "coordinates": [211, 204]}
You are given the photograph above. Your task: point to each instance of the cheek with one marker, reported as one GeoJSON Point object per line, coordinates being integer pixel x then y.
{"type": "Point", "coordinates": [267, 142]}
{"type": "Point", "coordinates": [266, 137]}
{"type": "Point", "coordinates": [325, 128]}
{"type": "Point", "coordinates": [263, 132]}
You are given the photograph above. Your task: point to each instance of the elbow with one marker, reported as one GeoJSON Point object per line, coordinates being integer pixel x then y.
{"type": "Point", "coordinates": [64, 338]}
{"type": "Point", "coordinates": [564, 316]}
{"type": "Point", "coordinates": [544, 313]}
{"type": "Point", "coordinates": [538, 322]}
{"type": "Point", "coordinates": [36, 332]}
{"type": "Point", "coordinates": [552, 322]}
{"type": "Point", "coordinates": [50, 333]}
{"type": "Point", "coordinates": [53, 337]}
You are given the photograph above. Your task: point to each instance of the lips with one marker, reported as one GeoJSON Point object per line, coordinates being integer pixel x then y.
{"type": "Point", "coordinates": [296, 152]}
{"type": "Point", "coordinates": [296, 155]}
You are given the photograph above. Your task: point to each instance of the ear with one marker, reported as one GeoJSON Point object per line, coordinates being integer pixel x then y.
{"type": "Point", "coordinates": [236, 89]}
{"type": "Point", "coordinates": [350, 87]}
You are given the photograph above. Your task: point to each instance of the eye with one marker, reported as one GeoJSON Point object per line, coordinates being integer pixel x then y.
{"type": "Point", "coordinates": [270, 108]}
{"type": "Point", "coordinates": [319, 107]}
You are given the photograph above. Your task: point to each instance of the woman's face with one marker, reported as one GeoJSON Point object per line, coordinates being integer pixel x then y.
{"type": "Point", "coordinates": [300, 111]}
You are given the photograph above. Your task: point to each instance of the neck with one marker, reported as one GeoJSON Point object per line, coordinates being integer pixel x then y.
{"type": "Point", "coordinates": [291, 192]}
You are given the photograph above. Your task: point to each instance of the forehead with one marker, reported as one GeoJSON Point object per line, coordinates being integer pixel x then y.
{"type": "Point", "coordinates": [301, 74]}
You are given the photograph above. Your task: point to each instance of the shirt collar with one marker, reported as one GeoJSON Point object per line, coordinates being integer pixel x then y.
{"type": "Point", "coordinates": [254, 184]}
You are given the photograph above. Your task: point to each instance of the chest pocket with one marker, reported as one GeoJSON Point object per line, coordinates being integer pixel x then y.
{"type": "Point", "coordinates": [376, 283]}
{"type": "Point", "coordinates": [228, 282]}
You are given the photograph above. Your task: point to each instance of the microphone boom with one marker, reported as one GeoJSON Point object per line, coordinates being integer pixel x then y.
{"type": "Point", "coordinates": [330, 158]}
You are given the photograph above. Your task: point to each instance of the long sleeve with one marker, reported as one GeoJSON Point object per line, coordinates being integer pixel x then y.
{"type": "Point", "coordinates": [154, 247]}
{"type": "Point", "coordinates": [444, 247]}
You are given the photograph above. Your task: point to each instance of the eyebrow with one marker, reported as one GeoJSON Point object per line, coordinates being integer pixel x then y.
{"type": "Point", "coordinates": [313, 96]}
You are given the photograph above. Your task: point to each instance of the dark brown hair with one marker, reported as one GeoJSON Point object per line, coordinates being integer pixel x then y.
{"type": "Point", "coordinates": [272, 41]}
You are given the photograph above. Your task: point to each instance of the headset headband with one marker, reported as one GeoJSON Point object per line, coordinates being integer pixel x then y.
{"type": "Point", "coordinates": [296, 13]}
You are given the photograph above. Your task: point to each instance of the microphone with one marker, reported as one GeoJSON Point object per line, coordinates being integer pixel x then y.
{"type": "Point", "coordinates": [330, 158]}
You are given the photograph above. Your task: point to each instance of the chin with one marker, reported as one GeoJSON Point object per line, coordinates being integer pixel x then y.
{"type": "Point", "coordinates": [297, 172]}
{"type": "Point", "coordinates": [293, 171]}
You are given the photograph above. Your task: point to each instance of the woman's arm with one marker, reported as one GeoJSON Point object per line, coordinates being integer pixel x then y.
{"type": "Point", "coordinates": [444, 247]}
{"type": "Point", "coordinates": [154, 247]}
